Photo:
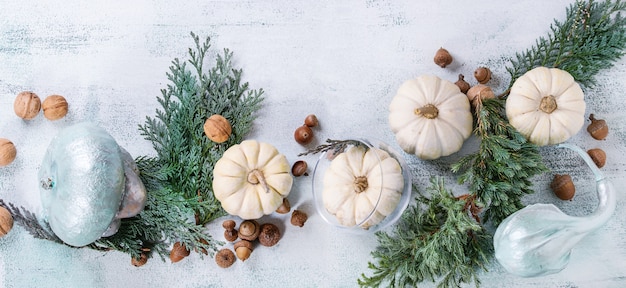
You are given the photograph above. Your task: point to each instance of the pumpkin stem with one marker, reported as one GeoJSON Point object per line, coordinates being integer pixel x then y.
{"type": "Point", "coordinates": [429, 111]}
{"type": "Point", "coordinates": [360, 184]}
{"type": "Point", "coordinates": [548, 104]}
{"type": "Point", "coordinates": [256, 177]}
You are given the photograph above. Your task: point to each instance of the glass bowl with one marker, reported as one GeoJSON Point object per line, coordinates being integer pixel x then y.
{"type": "Point", "coordinates": [339, 185]}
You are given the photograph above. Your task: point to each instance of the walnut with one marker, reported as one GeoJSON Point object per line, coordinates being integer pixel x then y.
{"type": "Point", "coordinates": [217, 128]}
{"type": "Point", "coordinates": [54, 107]}
{"type": "Point", "coordinates": [7, 152]}
{"type": "Point", "coordinates": [27, 105]}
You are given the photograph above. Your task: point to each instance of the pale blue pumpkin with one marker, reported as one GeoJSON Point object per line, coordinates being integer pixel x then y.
{"type": "Point", "coordinates": [84, 177]}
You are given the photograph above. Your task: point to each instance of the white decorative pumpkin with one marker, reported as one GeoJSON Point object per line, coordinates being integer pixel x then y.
{"type": "Point", "coordinates": [362, 186]}
{"type": "Point", "coordinates": [546, 105]}
{"type": "Point", "coordinates": [430, 117]}
{"type": "Point", "coordinates": [251, 179]}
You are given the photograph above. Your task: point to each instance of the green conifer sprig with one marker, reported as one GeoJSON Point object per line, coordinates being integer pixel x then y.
{"type": "Point", "coordinates": [436, 240]}
{"type": "Point", "coordinates": [592, 38]}
{"type": "Point", "coordinates": [30, 222]}
{"type": "Point", "coordinates": [499, 173]}
{"type": "Point", "coordinates": [176, 131]}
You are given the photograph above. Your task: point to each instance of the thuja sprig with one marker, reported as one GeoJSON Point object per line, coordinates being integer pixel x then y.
{"type": "Point", "coordinates": [30, 222]}
{"type": "Point", "coordinates": [437, 239]}
{"type": "Point", "coordinates": [592, 38]}
{"type": "Point", "coordinates": [188, 156]}
{"type": "Point", "coordinates": [177, 134]}
{"type": "Point", "coordinates": [499, 173]}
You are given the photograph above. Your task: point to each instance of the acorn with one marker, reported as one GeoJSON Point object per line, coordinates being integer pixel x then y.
{"type": "Point", "coordinates": [284, 208]}
{"type": "Point", "coordinates": [270, 235]}
{"type": "Point", "coordinates": [598, 128]}
{"type": "Point", "coordinates": [178, 252]}
{"type": "Point", "coordinates": [303, 135]}
{"type": "Point", "coordinates": [299, 168]}
{"type": "Point", "coordinates": [443, 57]}
{"type": "Point", "coordinates": [563, 186]}
{"type": "Point", "coordinates": [249, 230]}
{"type": "Point", "coordinates": [598, 156]}
{"type": "Point", "coordinates": [462, 84]}
{"type": "Point", "coordinates": [482, 75]}
{"type": "Point", "coordinates": [225, 258]}
{"type": "Point", "coordinates": [243, 249]}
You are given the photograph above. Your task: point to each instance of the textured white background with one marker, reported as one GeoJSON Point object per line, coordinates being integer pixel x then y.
{"type": "Point", "coordinates": [342, 60]}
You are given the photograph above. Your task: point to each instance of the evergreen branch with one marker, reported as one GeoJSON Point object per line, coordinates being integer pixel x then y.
{"type": "Point", "coordinates": [592, 38]}
{"type": "Point", "coordinates": [177, 131]}
{"type": "Point", "coordinates": [440, 241]}
{"type": "Point", "coordinates": [29, 221]}
{"type": "Point", "coordinates": [498, 173]}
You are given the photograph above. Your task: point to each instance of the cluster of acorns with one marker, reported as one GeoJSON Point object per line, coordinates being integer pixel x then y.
{"type": "Point", "coordinates": [266, 234]}
{"type": "Point", "coordinates": [27, 106]}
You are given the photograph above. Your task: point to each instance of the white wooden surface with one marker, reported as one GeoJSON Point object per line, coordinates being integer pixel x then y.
{"type": "Point", "coordinates": [342, 60]}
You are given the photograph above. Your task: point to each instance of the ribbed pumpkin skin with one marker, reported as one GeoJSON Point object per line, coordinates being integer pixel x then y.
{"type": "Point", "coordinates": [524, 112]}
{"type": "Point", "coordinates": [430, 138]}
{"type": "Point", "coordinates": [231, 184]}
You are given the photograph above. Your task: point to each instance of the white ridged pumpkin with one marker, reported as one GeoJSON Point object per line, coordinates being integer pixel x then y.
{"type": "Point", "coordinates": [251, 179]}
{"type": "Point", "coordinates": [546, 105]}
{"type": "Point", "coordinates": [354, 182]}
{"type": "Point", "coordinates": [430, 117]}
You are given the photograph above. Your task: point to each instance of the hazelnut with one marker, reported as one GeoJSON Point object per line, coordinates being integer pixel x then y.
{"type": "Point", "coordinates": [482, 75]}
{"type": "Point", "coordinates": [298, 218]}
{"type": "Point", "coordinates": [225, 258]}
{"type": "Point", "coordinates": [443, 58]}
{"type": "Point", "coordinates": [598, 156]}
{"type": "Point", "coordinates": [598, 128]}
{"type": "Point", "coordinates": [178, 252]}
{"type": "Point", "coordinates": [7, 152]}
{"type": "Point", "coordinates": [138, 262]}
{"type": "Point", "coordinates": [303, 135]}
{"type": "Point", "coordinates": [6, 221]}
{"type": "Point", "coordinates": [462, 84]}
{"type": "Point", "coordinates": [54, 107]}
{"type": "Point", "coordinates": [27, 105]}
{"type": "Point", "coordinates": [284, 208]}
{"type": "Point", "coordinates": [563, 187]}
{"type": "Point", "coordinates": [311, 120]}
{"type": "Point", "coordinates": [270, 235]}
{"type": "Point", "coordinates": [299, 168]}
{"type": "Point", "coordinates": [243, 249]}
{"type": "Point", "coordinates": [479, 92]}
{"type": "Point", "coordinates": [217, 128]}
{"type": "Point", "coordinates": [249, 230]}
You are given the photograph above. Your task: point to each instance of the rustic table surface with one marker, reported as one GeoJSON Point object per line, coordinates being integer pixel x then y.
{"type": "Point", "coordinates": [341, 60]}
